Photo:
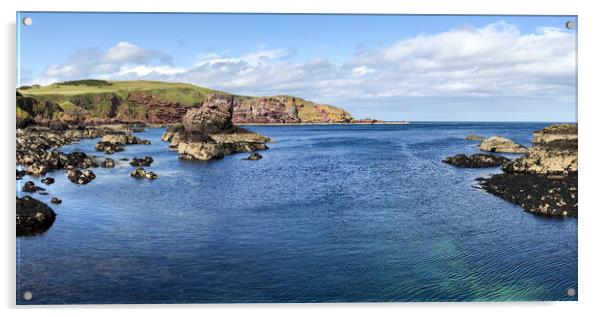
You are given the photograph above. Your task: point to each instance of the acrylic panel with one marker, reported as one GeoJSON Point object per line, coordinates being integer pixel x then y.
{"type": "Point", "coordinates": [277, 158]}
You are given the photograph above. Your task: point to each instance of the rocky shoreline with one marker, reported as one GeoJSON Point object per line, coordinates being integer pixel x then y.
{"type": "Point", "coordinates": [543, 181]}
{"type": "Point", "coordinates": [206, 132]}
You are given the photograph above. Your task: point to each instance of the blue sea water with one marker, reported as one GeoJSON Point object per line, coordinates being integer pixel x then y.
{"type": "Point", "coordinates": [342, 213]}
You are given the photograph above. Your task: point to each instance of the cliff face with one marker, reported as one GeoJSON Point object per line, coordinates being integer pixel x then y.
{"type": "Point", "coordinates": [93, 102]}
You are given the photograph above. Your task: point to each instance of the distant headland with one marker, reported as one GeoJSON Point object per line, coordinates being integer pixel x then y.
{"type": "Point", "coordinates": [94, 102]}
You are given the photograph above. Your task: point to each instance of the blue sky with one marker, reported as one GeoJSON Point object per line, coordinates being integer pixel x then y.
{"type": "Point", "coordinates": [483, 68]}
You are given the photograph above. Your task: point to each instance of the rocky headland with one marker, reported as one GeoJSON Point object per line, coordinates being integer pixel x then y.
{"type": "Point", "coordinates": [95, 102]}
{"type": "Point", "coordinates": [544, 180]}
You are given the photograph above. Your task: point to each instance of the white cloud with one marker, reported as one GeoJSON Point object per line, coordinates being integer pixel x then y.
{"type": "Point", "coordinates": [494, 61]}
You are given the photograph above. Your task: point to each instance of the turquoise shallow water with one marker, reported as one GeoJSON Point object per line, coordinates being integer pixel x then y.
{"type": "Point", "coordinates": [330, 214]}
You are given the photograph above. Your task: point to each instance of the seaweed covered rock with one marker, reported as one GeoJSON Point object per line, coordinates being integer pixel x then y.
{"type": "Point", "coordinates": [541, 194]}
{"type": "Point", "coordinates": [544, 181]}
{"type": "Point", "coordinates": [33, 216]}
{"type": "Point", "coordinates": [476, 160]}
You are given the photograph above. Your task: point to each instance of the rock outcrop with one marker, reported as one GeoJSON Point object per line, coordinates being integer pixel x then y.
{"type": "Point", "coordinates": [501, 145]}
{"type": "Point", "coordinates": [544, 181]}
{"type": "Point", "coordinates": [33, 216]}
{"type": "Point", "coordinates": [476, 160]}
{"type": "Point", "coordinates": [208, 132]}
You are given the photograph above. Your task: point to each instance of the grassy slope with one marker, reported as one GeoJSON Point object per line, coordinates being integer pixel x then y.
{"type": "Point", "coordinates": [96, 99]}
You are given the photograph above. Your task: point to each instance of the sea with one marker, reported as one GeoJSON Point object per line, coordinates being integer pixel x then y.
{"type": "Point", "coordinates": [332, 213]}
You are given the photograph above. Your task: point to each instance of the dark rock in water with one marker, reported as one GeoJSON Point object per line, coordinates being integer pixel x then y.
{"type": "Point", "coordinates": [473, 137]}
{"type": "Point", "coordinates": [56, 200]}
{"type": "Point", "coordinates": [476, 160]}
{"type": "Point", "coordinates": [20, 174]}
{"type": "Point", "coordinates": [43, 193]}
{"type": "Point", "coordinates": [141, 173]}
{"type": "Point", "coordinates": [146, 161]}
{"type": "Point", "coordinates": [254, 156]}
{"type": "Point", "coordinates": [48, 180]}
{"type": "Point", "coordinates": [108, 163]}
{"type": "Point", "coordinates": [108, 147]}
{"type": "Point", "coordinates": [123, 139]}
{"type": "Point", "coordinates": [77, 159]}
{"type": "Point", "coordinates": [125, 159]}
{"type": "Point", "coordinates": [33, 216]}
{"type": "Point", "coordinates": [78, 177]}
{"type": "Point", "coordinates": [138, 173]}
{"type": "Point", "coordinates": [541, 194]}
{"type": "Point", "coordinates": [30, 187]}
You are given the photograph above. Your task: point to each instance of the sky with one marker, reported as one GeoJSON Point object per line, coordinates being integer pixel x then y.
{"type": "Point", "coordinates": [388, 67]}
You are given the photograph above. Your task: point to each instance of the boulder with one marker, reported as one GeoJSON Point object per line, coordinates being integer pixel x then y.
{"type": "Point", "coordinates": [501, 145]}
{"type": "Point", "coordinates": [48, 180]}
{"type": "Point", "coordinates": [108, 147]}
{"type": "Point", "coordinates": [21, 174]}
{"type": "Point", "coordinates": [108, 163]}
{"type": "Point", "coordinates": [78, 177]}
{"type": "Point", "coordinates": [30, 187]}
{"type": "Point", "coordinates": [146, 161]}
{"type": "Point", "coordinates": [138, 173]}
{"type": "Point", "coordinates": [476, 160]}
{"type": "Point", "coordinates": [56, 200]}
{"type": "Point", "coordinates": [33, 216]}
{"type": "Point", "coordinates": [151, 175]}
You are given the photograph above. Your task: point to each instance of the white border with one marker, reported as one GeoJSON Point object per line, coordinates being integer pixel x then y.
{"type": "Point", "coordinates": [589, 118]}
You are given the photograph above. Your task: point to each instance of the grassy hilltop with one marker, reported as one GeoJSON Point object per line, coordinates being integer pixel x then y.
{"type": "Point", "coordinates": [155, 101]}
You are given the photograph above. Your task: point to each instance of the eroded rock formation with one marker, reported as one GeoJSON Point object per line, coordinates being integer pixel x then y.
{"type": "Point", "coordinates": [208, 132]}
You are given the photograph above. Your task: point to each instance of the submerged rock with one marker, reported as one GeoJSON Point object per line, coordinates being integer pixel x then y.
{"type": "Point", "coordinates": [473, 137]}
{"type": "Point", "coordinates": [476, 160]}
{"type": "Point", "coordinates": [501, 145]}
{"type": "Point", "coordinates": [33, 216]}
{"type": "Point", "coordinates": [48, 180]}
{"type": "Point", "coordinates": [254, 157]}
